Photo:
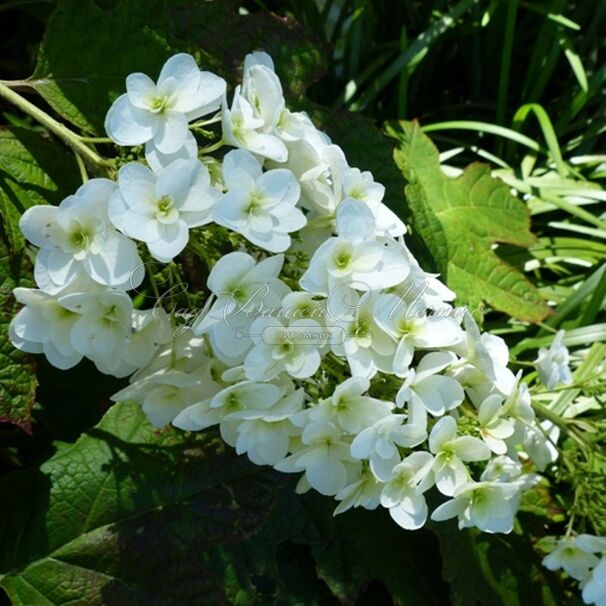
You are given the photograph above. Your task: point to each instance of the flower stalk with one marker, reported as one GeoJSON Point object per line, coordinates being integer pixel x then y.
{"type": "Point", "coordinates": [60, 130]}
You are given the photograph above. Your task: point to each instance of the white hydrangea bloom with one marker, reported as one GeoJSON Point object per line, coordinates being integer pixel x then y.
{"type": "Point", "coordinates": [570, 556]}
{"type": "Point", "coordinates": [488, 506]}
{"type": "Point", "coordinates": [553, 363]}
{"type": "Point", "coordinates": [359, 339]}
{"type": "Point", "coordinates": [160, 209]}
{"type": "Point", "coordinates": [379, 443]}
{"type": "Point", "coordinates": [239, 286]}
{"type": "Point", "coordinates": [264, 433]}
{"type": "Point", "coordinates": [413, 331]}
{"type": "Point", "coordinates": [364, 491]}
{"type": "Point", "coordinates": [77, 239]}
{"type": "Point", "coordinates": [349, 409]}
{"type": "Point", "coordinates": [43, 325]}
{"type": "Point", "coordinates": [103, 328]}
{"type": "Point", "coordinates": [284, 347]}
{"type": "Point", "coordinates": [219, 410]}
{"type": "Point", "coordinates": [148, 334]}
{"type": "Point", "coordinates": [355, 257]}
{"type": "Point", "coordinates": [495, 427]}
{"type": "Point", "coordinates": [161, 111]}
{"type": "Point", "coordinates": [403, 494]}
{"type": "Point", "coordinates": [427, 391]}
{"type": "Point", "coordinates": [167, 390]}
{"type": "Point", "coordinates": [450, 454]}
{"type": "Point", "coordinates": [323, 456]}
{"type": "Point", "coordinates": [362, 186]}
{"type": "Point", "coordinates": [260, 206]}
{"type": "Point", "coordinates": [242, 127]}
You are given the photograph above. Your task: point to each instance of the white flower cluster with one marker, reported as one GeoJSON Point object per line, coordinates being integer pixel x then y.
{"type": "Point", "coordinates": [583, 558]}
{"type": "Point", "coordinates": [366, 381]}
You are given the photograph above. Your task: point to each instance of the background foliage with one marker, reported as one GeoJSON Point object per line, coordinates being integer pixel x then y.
{"type": "Point", "coordinates": [98, 508]}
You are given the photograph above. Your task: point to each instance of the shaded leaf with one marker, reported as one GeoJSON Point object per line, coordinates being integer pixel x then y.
{"type": "Point", "coordinates": [76, 79]}
{"type": "Point", "coordinates": [496, 570]}
{"type": "Point", "coordinates": [129, 514]}
{"type": "Point", "coordinates": [33, 170]}
{"type": "Point", "coordinates": [17, 370]}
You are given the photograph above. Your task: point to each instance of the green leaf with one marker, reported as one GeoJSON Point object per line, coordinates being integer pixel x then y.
{"type": "Point", "coordinates": [368, 546]}
{"type": "Point", "coordinates": [496, 570]}
{"type": "Point", "coordinates": [33, 170]}
{"type": "Point", "coordinates": [460, 220]}
{"type": "Point", "coordinates": [76, 79]}
{"type": "Point", "coordinates": [17, 370]}
{"type": "Point", "coordinates": [129, 514]}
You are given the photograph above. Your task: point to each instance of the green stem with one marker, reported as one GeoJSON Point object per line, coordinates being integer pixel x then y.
{"type": "Point", "coordinates": [211, 148]}
{"type": "Point", "coordinates": [67, 136]}
{"type": "Point", "coordinates": [556, 419]}
{"type": "Point", "coordinates": [81, 167]}
{"type": "Point", "coordinates": [95, 140]}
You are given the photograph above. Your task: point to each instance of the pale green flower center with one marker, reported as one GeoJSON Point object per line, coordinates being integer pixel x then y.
{"type": "Point", "coordinates": [159, 104]}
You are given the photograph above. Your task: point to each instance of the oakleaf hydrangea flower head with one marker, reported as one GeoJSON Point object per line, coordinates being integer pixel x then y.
{"type": "Point", "coordinates": [160, 112]}
{"type": "Point", "coordinates": [553, 363]}
{"type": "Point", "coordinates": [76, 239]}
{"type": "Point", "coordinates": [260, 206]}
{"type": "Point", "coordinates": [159, 209]}
{"type": "Point", "coordinates": [297, 322]}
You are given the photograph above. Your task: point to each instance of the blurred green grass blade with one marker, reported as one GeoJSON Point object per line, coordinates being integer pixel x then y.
{"type": "Point", "coordinates": [415, 51]}
{"type": "Point", "coordinates": [560, 19]}
{"type": "Point", "coordinates": [585, 289]}
{"type": "Point", "coordinates": [548, 131]}
{"type": "Point", "coordinates": [584, 335]}
{"type": "Point", "coordinates": [488, 13]}
{"type": "Point", "coordinates": [594, 85]}
{"type": "Point", "coordinates": [510, 23]}
{"type": "Point", "coordinates": [595, 303]}
{"type": "Point", "coordinates": [485, 127]}
{"type": "Point", "coordinates": [579, 229]}
{"type": "Point", "coordinates": [575, 63]}
{"type": "Point", "coordinates": [545, 53]}
{"type": "Point", "coordinates": [403, 80]}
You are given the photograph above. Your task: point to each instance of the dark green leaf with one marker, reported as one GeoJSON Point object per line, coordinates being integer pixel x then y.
{"type": "Point", "coordinates": [132, 515]}
{"type": "Point", "coordinates": [496, 570]}
{"type": "Point", "coordinates": [75, 77]}
{"type": "Point", "coordinates": [17, 370]}
{"type": "Point", "coordinates": [33, 170]}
